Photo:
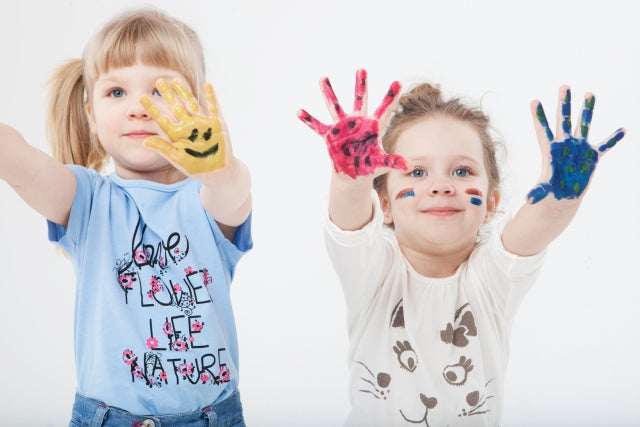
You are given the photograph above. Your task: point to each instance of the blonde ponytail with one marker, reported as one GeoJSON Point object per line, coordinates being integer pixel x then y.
{"type": "Point", "coordinates": [70, 136]}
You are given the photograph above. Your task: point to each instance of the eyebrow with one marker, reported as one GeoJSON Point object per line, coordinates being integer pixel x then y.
{"type": "Point", "coordinates": [455, 158]}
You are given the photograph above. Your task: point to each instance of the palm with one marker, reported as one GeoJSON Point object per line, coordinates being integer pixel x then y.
{"type": "Point", "coordinates": [573, 159]}
{"type": "Point", "coordinates": [197, 141]}
{"type": "Point", "coordinates": [353, 141]}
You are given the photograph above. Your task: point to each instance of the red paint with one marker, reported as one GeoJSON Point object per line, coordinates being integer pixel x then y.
{"type": "Point", "coordinates": [407, 192]}
{"type": "Point", "coordinates": [473, 192]}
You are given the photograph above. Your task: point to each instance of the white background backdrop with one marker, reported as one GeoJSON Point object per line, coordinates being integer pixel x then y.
{"type": "Point", "coordinates": [575, 355]}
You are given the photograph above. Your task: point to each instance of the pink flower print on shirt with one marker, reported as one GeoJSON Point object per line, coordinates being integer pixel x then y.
{"type": "Point", "coordinates": [163, 376]}
{"type": "Point", "coordinates": [185, 368]}
{"type": "Point", "coordinates": [188, 270]}
{"type": "Point", "coordinates": [179, 345]}
{"type": "Point", "coordinates": [167, 328]}
{"type": "Point", "coordinates": [152, 342]}
{"type": "Point", "coordinates": [206, 277]}
{"type": "Point", "coordinates": [176, 288]}
{"type": "Point", "coordinates": [129, 357]}
{"type": "Point", "coordinates": [197, 326]}
{"type": "Point", "coordinates": [156, 286]}
{"type": "Point", "coordinates": [224, 374]}
{"type": "Point", "coordinates": [142, 256]}
{"type": "Point", "coordinates": [138, 372]}
{"type": "Point", "coordinates": [126, 281]}
{"type": "Point", "coordinates": [204, 377]}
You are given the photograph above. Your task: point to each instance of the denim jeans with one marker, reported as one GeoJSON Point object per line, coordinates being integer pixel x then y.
{"type": "Point", "coordinates": [92, 413]}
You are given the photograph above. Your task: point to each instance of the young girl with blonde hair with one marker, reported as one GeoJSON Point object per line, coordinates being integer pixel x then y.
{"type": "Point", "coordinates": [155, 243]}
{"type": "Point", "coordinates": [429, 303]}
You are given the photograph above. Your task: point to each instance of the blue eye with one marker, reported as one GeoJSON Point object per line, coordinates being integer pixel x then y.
{"type": "Point", "coordinates": [417, 173]}
{"type": "Point", "coordinates": [461, 172]}
{"type": "Point", "coordinates": [116, 93]}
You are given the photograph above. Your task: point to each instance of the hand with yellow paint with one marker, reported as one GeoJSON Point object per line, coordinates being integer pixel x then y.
{"type": "Point", "coordinates": [198, 142]}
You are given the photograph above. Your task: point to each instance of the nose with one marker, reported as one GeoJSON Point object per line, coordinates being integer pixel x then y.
{"type": "Point", "coordinates": [441, 187]}
{"type": "Point", "coordinates": [137, 111]}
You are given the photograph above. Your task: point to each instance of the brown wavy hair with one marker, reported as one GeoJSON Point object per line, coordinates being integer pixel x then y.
{"type": "Point", "coordinates": [426, 100]}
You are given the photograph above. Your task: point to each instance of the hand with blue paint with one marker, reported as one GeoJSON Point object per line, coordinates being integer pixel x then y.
{"type": "Point", "coordinates": [568, 160]}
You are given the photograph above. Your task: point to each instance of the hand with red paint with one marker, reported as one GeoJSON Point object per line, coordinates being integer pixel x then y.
{"type": "Point", "coordinates": [353, 140]}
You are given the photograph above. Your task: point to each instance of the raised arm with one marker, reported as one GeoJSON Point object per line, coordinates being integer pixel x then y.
{"type": "Point", "coordinates": [200, 147]}
{"type": "Point", "coordinates": [354, 147]}
{"type": "Point", "coordinates": [41, 181]}
{"type": "Point", "coordinates": [568, 162]}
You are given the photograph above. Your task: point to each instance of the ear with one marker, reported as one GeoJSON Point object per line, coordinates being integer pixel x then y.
{"type": "Point", "coordinates": [385, 205]}
{"type": "Point", "coordinates": [90, 118]}
{"type": "Point", "coordinates": [493, 200]}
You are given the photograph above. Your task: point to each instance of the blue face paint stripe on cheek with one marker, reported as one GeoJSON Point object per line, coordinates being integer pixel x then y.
{"type": "Point", "coordinates": [407, 192]}
{"type": "Point", "coordinates": [476, 201]}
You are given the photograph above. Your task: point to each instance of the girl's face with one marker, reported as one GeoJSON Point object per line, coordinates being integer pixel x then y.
{"type": "Point", "coordinates": [441, 201]}
{"type": "Point", "coordinates": [122, 124]}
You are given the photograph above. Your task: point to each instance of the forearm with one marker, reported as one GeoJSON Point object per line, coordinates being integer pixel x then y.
{"type": "Point", "coordinates": [42, 182]}
{"type": "Point", "coordinates": [350, 205]}
{"type": "Point", "coordinates": [226, 193]}
{"type": "Point", "coordinates": [536, 225]}
{"type": "Point", "coordinates": [13, 149]}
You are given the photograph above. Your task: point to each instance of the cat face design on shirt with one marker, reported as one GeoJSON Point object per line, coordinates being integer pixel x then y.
{"type": "Point", "coordinates": [457, 334]}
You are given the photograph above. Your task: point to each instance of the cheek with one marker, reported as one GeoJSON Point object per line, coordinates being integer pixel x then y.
{"type": "Point", "coordinates": [475, 196]}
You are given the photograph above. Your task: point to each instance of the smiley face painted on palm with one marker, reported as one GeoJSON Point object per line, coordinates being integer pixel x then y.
{"type": "Point", "coordinates": [353, 141]}
{"type": "Point", "coordinates": [573, 160]}
{"type": "Point", "coordinates": [197, 141]}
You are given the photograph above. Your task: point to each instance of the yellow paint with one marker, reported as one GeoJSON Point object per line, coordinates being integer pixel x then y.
{"type": "Point", "coordinates": [205, 151]}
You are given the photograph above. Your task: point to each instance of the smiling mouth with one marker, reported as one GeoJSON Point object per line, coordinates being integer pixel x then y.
{"type": "Point", "coordinates": [441, 211]}
{"type": "Point", "coordinates": [139, 135]}
{"type": "Point", "coordinates": [200, 154]}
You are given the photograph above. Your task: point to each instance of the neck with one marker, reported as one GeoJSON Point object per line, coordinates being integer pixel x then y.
{"type": "Point", "coordinates": [168, 175]}
{"type": "Point", "coordinates": [435, 263]}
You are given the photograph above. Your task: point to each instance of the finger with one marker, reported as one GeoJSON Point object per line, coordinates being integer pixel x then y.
{"type": "Point", "coordinates": [564, 112]}
{"type": "Point", "coordinates": [331, 100]}
{"type": "Point", "coordinates": [214, 110]}
{"type": "Point", "coordinates": [586, 115]}
{"type": "Point", "coordinates": [612, 140]}
{"type": "Point", "coordinates": [389, 99]}
{"type": "Point", "coordinates": [360, 98]}
{"type": "Point", "coordinates": [166, 92]}
{"type": "Point", "coordinates": [212, 101]}
{"type": "Point", "coordinates": [163, 121]}
{"type": "Point", "coordinates": [318, 127]}
{"type": "Point", "coordinates": [540, 123]}
{"type": "Point", "coordinates": [162, 146]}
{"type": "Point", "coordinates": [185, 94]}
{"type": "Point", "coordinates": [169, 96]}
{"type": "Point", "coordinates": [538, 193]}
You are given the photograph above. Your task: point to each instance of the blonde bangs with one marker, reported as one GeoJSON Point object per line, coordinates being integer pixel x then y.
{"type": "Point", "coordinates": [150, 37]}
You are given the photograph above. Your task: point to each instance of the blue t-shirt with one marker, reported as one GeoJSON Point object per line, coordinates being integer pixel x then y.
{"type": "Point", "coordinates": [154, 331]}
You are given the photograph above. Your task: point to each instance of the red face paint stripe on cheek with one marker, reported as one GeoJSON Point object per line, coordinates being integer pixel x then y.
{"type": "Point", "coordinates": [407, 192]}
{"type": "Point", "coordinates": [473, 192]}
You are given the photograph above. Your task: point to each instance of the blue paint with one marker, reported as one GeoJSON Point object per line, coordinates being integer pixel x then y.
{"type": "Point", "coordinates": [476, 201]}
{"type": "Point", "coordinates": [566, 113]}
{"type": "Point", "coordinates": [612, 142]}
{"type": "Point", "coordinates": [573, 160]}
{"type": "Point", "coordinates": [407, 192]}
{"type": "Point", "coordinates": [587, 114]}
{"type": "Point", "coordinates": [572, 163]}
{"type": "Point", "coordinates": [542, 118]}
